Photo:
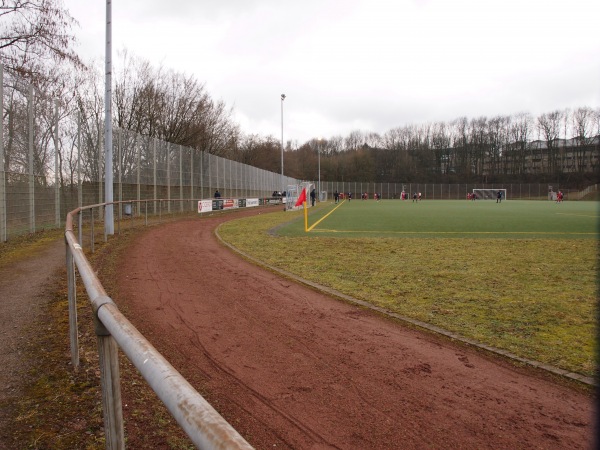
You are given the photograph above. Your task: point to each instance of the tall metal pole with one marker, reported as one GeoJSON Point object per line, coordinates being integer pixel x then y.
{"type": "Point", "coordinates": [282, 179]}
{"type": "Point", "coordinates": [2, 174]}
{"type": "Point", "coordinates": [109, 222]}
{"type": "Point", "coordinates": [319, 161]}
{"type": "Point", "coordinates": [56, 169]}
{"type": "Point", "coordinates": [30, 168]}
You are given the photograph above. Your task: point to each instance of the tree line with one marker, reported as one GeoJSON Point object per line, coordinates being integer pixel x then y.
{"type": "Point", "coordinates": [560, 146]}
{"type": "Point", "coordinates": [36, 44]}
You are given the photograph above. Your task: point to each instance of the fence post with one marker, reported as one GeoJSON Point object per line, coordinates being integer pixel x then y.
{"type": "Point", "coordinates": [79, 181]}
{"type": "Point", "coordinates": [100, 179]}
{"type": "Point", "coordinates": [154, 169]}
{"type": "Point", "coordinates": [168, 178]}
{"type": "Point", "coordinates": [191, 178]}
{"type": "Point", "coordinates": [72, 296]}
{"type": "Point", "coordinates": [56, 170]}
{"type": "Point", "coordinates": [180, 178]}
{"type": "Point", "coordinates": [92, 229]}
{"type": "Point", "coordinates": [30, 168]}
{"type": "Point", "coordinates": [2, 174]}
{"type": "Point", "coordinates": [120, 176]}
{"type": "Point", "coordinates": [201, 174]}
{"type": "Point", "coordinates": [138, 163]}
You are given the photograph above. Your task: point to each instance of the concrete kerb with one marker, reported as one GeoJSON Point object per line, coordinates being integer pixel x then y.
{"type": "Point", "coordinates": [432, 328]}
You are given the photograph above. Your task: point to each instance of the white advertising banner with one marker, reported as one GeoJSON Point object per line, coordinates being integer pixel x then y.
{"type": "Point", "coordinates": [251, 202]}
{"type": "Point", "coordinates": [204, 206]}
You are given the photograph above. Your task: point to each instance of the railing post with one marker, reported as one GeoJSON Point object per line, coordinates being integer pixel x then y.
{"type": "Point", "coordinates": [80, 227]}
{"type": "Point", "coordinates": [111, 388]}
{"type": "Point", "coordinates": [92, 229]}
{"type": "Point", "coordinates": [72, 295]}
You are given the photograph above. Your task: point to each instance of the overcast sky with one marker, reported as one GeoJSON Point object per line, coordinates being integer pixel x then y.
{"type": "Point", "coordinates": [368, 65]}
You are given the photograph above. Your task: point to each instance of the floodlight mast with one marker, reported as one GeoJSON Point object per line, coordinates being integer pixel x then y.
{"type": "Point", "coordinates": [109, 223]}
{"type": "Point", "coordinates": [282, 179]}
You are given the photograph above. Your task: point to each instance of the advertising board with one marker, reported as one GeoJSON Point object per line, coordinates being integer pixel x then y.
{"type": "Point", "coordinates": [229, 203]}
{"type": "Point", "coordinates": [205, 206]}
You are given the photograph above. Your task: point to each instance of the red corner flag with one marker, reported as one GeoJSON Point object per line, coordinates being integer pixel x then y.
{"type": "Point", "coordinates": [302, 198]}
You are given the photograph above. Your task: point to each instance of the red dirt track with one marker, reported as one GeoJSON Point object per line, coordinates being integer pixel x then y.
{"type": "Point", "coordinates": [290, 367]}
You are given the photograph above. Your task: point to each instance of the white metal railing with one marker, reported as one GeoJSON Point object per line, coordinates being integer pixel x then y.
{"type": "Point", "coordinates": [206, 428]}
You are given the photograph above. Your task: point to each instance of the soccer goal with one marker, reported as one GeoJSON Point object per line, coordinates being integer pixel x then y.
{"type": "Point", "coordinates": [488, 194]}
{"type": "Point", "coordinates": [294, 191]}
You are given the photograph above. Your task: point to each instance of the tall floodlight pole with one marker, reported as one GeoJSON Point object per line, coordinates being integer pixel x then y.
{"type": "Point", "coordinates": [282, 182]}
{"type": "Point", "coordinates": [319, 161]}
{"type": "Point", "coordinates": [109, 223]}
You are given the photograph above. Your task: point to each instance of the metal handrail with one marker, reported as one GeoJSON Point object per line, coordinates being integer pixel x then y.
{"type": "Point", "coordinates": [205, 427]}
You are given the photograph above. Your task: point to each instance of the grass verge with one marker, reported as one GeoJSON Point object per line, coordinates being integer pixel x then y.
{"type": "Point", "coordinates": [61, 407]}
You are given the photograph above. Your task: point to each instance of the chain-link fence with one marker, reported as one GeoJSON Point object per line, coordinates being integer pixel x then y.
{"type": "Point", "coordinates": [442, 191]}
{"type": "Point", "coordinates": [52, 161]}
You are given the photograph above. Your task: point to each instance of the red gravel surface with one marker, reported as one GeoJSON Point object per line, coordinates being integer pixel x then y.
{"type": "Point", "coordinates": [290, 367]}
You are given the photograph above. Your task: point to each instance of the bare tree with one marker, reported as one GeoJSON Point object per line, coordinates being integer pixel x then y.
{"type": "Point", "coordinates": [354, 140]}
{"type": "Point", "coordinates": [172, 107]}
{"type": "Point", "coordinates": [519, 131]}
{"type": "Point", "coordinates": [497, 129]}
{"type": "Point", "coordinates": [583, 125]}
{"type": "Point", "coordinates": [549, 126]}
{"type": "Point", "coordinates": [33, 33]}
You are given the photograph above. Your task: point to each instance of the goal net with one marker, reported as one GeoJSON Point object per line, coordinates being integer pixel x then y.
{"type": "Point", "coordinates": [488, 194]}
{"type": "Point", "coordinates": [293, 192]}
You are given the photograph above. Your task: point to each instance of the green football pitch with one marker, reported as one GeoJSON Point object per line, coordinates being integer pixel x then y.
{"type": "Point", "coordinates": [451, 218]}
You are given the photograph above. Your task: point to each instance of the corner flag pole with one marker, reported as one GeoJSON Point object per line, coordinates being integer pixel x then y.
{"type": "Point", "coordinates": [305, 216]}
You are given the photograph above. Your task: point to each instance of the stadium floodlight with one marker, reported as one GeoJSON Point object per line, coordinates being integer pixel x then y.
{"type": "Point", "coordinates": [109, 222]}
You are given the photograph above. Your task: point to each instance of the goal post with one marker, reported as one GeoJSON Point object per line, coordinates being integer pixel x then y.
{"type": "Point", "coordinates": [294, 191]}
{"type": "Point", "coordinates": [488, 194]}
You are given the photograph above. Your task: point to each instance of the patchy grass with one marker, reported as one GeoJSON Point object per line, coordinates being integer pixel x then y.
{"type": "Point", "coordinates": [533, 297]}
{"type": "Point", "coordinates": [61, 407]}
{"type": "Point", "coordinates": [26, 245]}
